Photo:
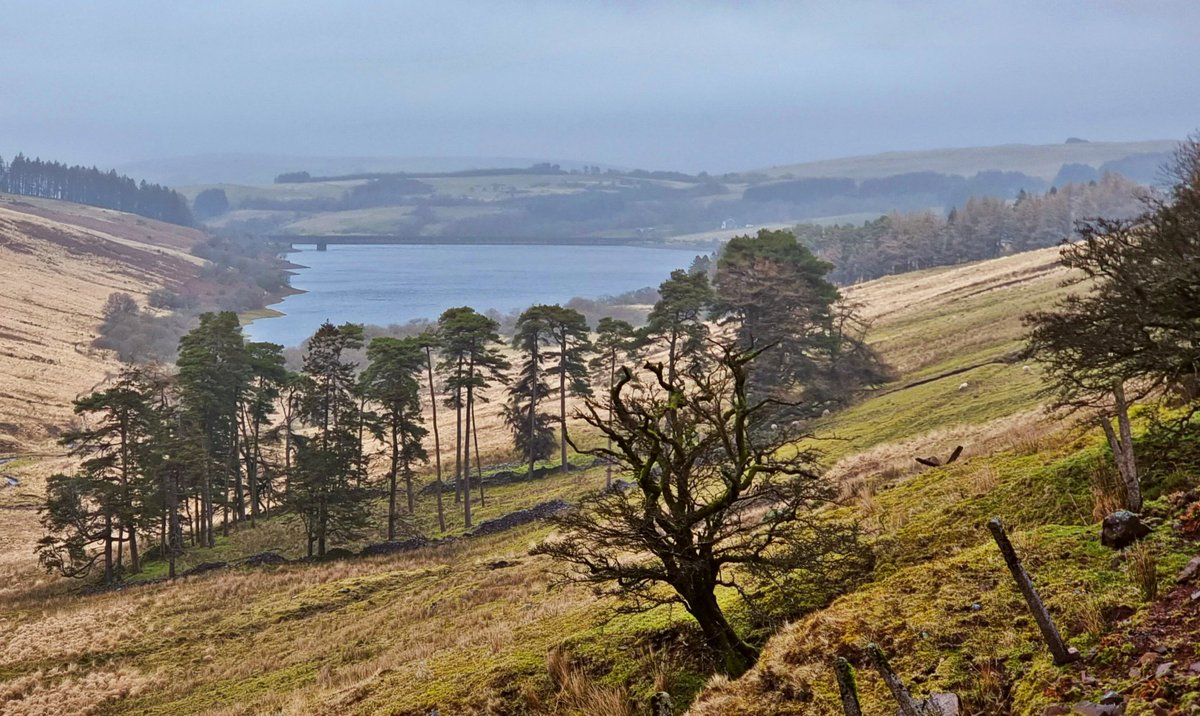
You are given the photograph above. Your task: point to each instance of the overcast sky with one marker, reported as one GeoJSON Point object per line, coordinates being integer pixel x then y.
{"type": "Point", "coordinates": [664, 85]}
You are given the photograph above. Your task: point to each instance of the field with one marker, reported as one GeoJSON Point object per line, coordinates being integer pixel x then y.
{"type": "Point", "coordinates": [474, 626]}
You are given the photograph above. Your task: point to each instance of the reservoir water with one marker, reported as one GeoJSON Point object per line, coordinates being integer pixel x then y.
{"type": "Point", "coordinates": [395, 284]}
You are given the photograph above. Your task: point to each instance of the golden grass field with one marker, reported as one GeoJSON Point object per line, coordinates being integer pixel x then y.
{"type": "Point", "coordinates": [473, 627]}
{"type": "Point", "coordinates": [58, 264]}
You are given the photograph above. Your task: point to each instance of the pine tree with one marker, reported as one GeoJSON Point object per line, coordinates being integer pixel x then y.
{"type": "Point", "coordinates": [616, 341]}
{"type": "Point", "coordinates": [214, 373]}
{"type": "Point", "coordinates": [392, 381]}
{"type": "Point", "coordinates": [677, 319]}
{"type": "Point", "coordinates": [328, 489]}
{"type": "Point", "coordinates": [532, 434]}
{"type": "Point", "coordinates": [114, 497]}
{"type": "Point", "coordinates": [471, 361]}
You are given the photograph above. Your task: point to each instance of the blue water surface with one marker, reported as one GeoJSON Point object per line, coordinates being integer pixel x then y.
{"type": "Point", "coordinates": [395, 284]}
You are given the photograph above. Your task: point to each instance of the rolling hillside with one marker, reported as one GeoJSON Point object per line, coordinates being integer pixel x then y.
{"type": "Point", "coordinates": [548, 202]}
{"type": "Point", "coordinates": [471, 626]}
{"type": "Point", "coordinates": [59, 263]}
{"type": "Point", "coordinates": [1040, 160]}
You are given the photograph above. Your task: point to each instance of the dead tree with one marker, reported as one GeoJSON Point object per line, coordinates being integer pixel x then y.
{"type": "Point", "coordinates": [934, 462]}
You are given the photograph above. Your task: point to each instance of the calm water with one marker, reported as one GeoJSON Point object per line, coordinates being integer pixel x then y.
{"type": "Point", "coordinates": [395, 284]}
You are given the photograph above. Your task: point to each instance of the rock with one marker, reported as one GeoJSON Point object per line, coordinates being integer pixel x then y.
{"type": "Point", "coordinates": [1088, 680]}
{"type": "Point", "coordinates": [205, 567]}
{"type": "Point", "coordinates": [946, 704]}
{"type": "Point", "coordinates": [661, 704]}
{"type": "Point", "coordinates": [1121, 529]}
{"type": "Point", "coordinates": [964, 386]}
{"type": "Point", "coordinates": [1135, 673]}
{"type": "Point", "coordinates": [520, 517]}
{"type": "Point", "coordinates": [1189, 572]}
{"type": "Point", "coordinates": [1112, 697]}
{"type": "Point", "coordinates": [1087, 708]}
{"type": "Point", "coordinates": [1164, 669]}
{"type": "Point", "coordinates": [263, 558]}
{"type": "Point", "coordinates": [1195, 595]}
{"type": "Point", "coordinates": [1195, 667]}
{"type": "Point", "coordinates": [1056, 710]}
{"type": "Point", "coordinates": [335, 554]}
{"type": "Point", "coordinates": [393, 547]}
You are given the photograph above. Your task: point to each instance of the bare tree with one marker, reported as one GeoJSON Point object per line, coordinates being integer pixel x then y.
{"type": "Point", "coordinates": [720, 501]}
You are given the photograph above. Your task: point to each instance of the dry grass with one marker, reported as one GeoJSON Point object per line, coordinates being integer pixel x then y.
{"type": "Point", "coordinates": [1143, 569]}
{"type": "Point", "coordinates": [578, 694]}
{"type": "Point", "coordinates": [58, 264]}
{"type": "Point", "coordinates": [1108, 492]}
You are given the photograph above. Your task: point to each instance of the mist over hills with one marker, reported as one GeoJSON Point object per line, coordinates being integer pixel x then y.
{"type": "Point", "coordinates": [237, 168]}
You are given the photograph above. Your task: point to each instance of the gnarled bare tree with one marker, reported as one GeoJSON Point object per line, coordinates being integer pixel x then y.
{"type": "Point", "coordinates": [720, 500]}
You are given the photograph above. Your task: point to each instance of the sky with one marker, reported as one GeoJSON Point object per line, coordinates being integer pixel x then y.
{"type": "Point", "coordinates": [690, 86]}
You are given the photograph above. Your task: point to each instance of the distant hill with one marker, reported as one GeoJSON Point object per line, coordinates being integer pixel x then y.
{"type": "Point", "coordinates": [263, 168]}
{"type": "Point", "coordinates": [1039, 160]}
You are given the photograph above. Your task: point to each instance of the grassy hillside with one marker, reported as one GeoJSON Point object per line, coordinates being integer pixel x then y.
{"type": "Point", "coordinates": [1040, 160]}
{"type": "Point", "coordinates": [59, 263]}
{"type": "Point", "coordinates": [637, 206]}
{"type": "Point", "coordinates": [472, 626]}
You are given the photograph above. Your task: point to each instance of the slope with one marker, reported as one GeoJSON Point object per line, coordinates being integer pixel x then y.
{"type": "Point", "coordinates": [1040, 160]}
{"type": "Point", "coordinates": [467, 627]}
{"type": "Point", "coordinates": [59, 263]}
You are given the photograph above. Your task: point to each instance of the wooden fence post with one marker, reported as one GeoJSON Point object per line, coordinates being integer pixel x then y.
{"type": "Point", "coordinates": [908, 707]}
{"type": "Point", "coordinates": [847, 687]}
{"type": "Point", "coordinates": [1058, 648]}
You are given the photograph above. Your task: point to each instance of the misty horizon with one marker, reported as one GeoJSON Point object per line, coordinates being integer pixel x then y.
{"type": "Point", "coordinates": [688, 87]}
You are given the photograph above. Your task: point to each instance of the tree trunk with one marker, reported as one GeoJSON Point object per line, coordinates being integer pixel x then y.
{"type": "Point", "coordinates": [533, 396]}
{"type": "Point", "coordinates": [391, 532]}
{"type": "Point", "coordinates": [736, 655]}
{"type": "Point", "coordinates": [437, 442]}
{"type": "Point", "coordinates": [134, 562]}
{"type": "Point", "coordinates": [1127, 463]}
{"type": "Point", "coordinates": [562, 401]}
{"type": "Point", "coordinates": [458, 416]}
{"type": "Point", "coordinates": [466, 447]}
{"type": "Point", "coordinates": [612, 379]}
{"type": "Point", "coordinates": [239, 495]}
{"type": "Point", "coordinates": [406, 466]}
{"type": "Point", "coordinates": [108, 550]}
{"type": "Point", "coordinates": [478, 463]}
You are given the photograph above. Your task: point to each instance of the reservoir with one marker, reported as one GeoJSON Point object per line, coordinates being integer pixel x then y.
{"type": "Point", "coordinates": [386, 284]}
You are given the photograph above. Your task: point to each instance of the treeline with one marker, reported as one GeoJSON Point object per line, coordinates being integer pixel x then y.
{"type": "Point", "coordinates": [240, 273]}
{"type": "Point", "coordinates": [234, 435]}
{"type": "Point", "coordinates": [982, 228]}
{"type": "Point", "coordinates": [941, 189]}
{"type": "Point", "coordinates": [83, 185]}
{"type": "Point", "coordinates": [542, 169]}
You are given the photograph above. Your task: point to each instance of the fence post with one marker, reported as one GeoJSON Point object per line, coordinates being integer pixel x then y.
{"type": "Point", "coordinates": [908, 707]}
{"type": "Point", "coordinates": [1058, 648]}
{"type": "Point", "coordinates": [847, 687]}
